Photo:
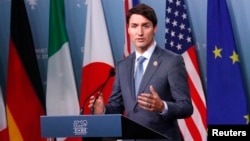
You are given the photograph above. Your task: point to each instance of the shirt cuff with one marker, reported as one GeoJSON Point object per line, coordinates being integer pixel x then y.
{"type": "Point", "coordinates": [165, 108]}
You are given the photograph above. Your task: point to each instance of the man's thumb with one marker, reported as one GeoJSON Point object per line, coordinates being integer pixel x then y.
{"type": "Point", "coordinates": [152, 90]}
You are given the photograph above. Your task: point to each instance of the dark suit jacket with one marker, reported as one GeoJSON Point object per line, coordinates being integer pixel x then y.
{"type": "Point", "coordinates": [166, 72]}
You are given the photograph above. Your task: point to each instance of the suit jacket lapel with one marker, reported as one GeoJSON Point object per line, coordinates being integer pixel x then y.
{"type": "Point", "coordinates": [153, 64]}
{"type": "Point", "coordinates": [130, 77]}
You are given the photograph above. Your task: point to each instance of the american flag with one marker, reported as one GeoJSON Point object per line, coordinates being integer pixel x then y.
{"type": "Point", "coordinates": [179, 39]}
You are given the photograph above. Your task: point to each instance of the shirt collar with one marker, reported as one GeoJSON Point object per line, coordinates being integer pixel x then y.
{"type": "Point", "coordinates": [147, 54]}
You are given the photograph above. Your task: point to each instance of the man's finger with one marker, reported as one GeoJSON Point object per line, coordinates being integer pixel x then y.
{"type": "Point", "coordinates": [152, 90]}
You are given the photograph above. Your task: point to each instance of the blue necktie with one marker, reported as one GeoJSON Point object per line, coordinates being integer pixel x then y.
{"type": "Point", "coordinates": [139, 73]}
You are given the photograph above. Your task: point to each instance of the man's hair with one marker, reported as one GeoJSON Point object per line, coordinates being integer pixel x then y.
{"type": "Point", "coordinates": [144, 10]}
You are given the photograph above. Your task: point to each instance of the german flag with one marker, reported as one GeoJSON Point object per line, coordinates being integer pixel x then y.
{"type": "Point", "coordinates": [24, 93]}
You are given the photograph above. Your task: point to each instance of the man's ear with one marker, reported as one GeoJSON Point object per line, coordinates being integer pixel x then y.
{"type": "Point", "coordinates": [128, 29]}
{"type": "Point", "coordinates": [155, 29]}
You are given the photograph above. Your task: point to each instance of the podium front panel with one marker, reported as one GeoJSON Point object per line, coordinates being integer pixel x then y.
{"type": "Point", "coordinates": [81, 126]}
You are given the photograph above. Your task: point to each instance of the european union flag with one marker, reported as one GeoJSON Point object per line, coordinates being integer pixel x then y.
{"type": "Point", "coordinates": [226, 97]}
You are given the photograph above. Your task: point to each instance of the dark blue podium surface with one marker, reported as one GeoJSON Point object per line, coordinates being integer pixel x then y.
{"type": "Point", "coordinates": [97, 126]}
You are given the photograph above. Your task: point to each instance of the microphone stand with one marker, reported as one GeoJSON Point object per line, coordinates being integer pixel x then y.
{"type": "Point", "coordinates": [99, 93]}
{"type": "Point", "coordinates": [100, 88]}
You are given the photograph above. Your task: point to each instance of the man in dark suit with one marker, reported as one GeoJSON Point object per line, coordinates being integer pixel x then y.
{"type": "Point", "coordinates": [163, 94]}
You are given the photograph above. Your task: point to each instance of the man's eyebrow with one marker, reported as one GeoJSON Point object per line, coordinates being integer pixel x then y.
{"type": "Point", "coordinates": [146, 23]}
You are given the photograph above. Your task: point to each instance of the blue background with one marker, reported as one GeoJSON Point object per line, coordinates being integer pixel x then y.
{"type": "Point", "coordinates": [38, 13]}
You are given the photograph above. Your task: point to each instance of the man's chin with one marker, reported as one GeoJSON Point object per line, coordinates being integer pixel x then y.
{"type": "Point", "coordinates": [140, 45]}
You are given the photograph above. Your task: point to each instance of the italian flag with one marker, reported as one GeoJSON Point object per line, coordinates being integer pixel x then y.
{"type": "Point", "coordinates": [61, 92]}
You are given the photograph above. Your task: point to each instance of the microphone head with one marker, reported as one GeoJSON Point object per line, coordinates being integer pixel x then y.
{"type": "Point", "coordinates": [112, 72]}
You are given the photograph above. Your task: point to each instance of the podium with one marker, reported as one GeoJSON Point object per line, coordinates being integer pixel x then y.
{"type": "Point", "coordinates": [96, 126]}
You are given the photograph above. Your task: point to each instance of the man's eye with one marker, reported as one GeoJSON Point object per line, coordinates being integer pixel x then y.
{"type": "Point", "coordinates": [133, 26]}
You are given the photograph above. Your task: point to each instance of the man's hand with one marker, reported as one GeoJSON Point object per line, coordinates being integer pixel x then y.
{"type": "Point", "coordinates": [98, 105]}
{"type": "Point", "coordinates": [151, 102]}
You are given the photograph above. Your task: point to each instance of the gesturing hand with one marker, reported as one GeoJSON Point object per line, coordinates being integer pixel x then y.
{"type": "Point", "coordinates": [151, 102]}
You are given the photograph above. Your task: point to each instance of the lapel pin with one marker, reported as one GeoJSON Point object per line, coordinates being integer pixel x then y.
{"type": "Point", "coordinates": [155, 63]}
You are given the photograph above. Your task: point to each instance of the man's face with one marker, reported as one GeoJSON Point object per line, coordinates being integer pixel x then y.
{"type": "Point", "coordinates": [141, 31]}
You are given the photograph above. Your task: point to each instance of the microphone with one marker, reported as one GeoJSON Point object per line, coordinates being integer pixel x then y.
{"type": "Point", "coordinates": [100, 88]}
